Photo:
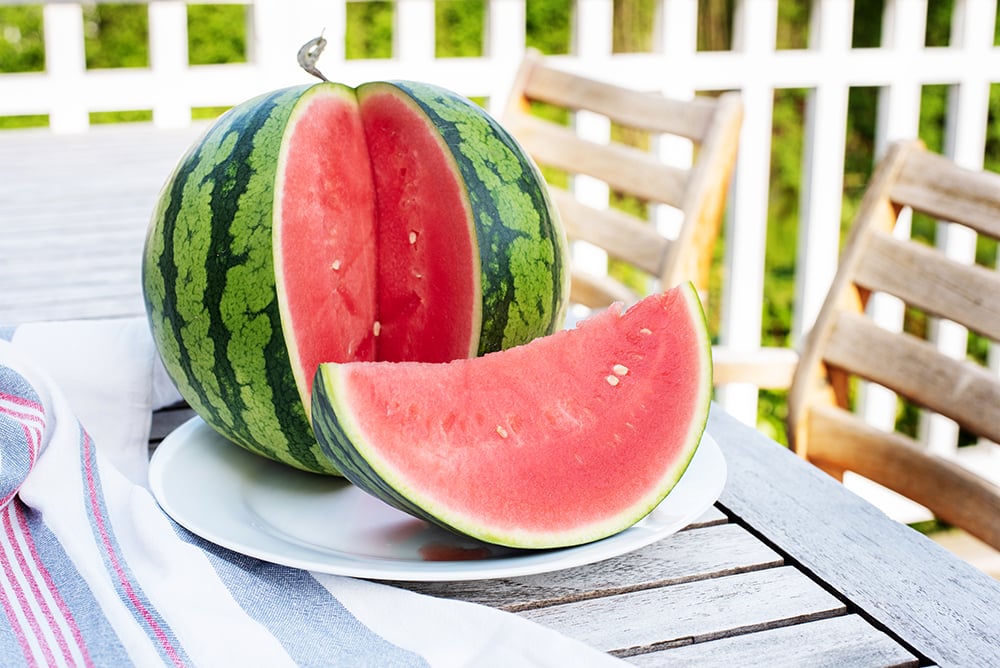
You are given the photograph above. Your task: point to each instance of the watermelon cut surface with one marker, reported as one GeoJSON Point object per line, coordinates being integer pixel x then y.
{"type": "Point", "coordinates": [570, 438]}
{"type": "Point", "coordinates": [324, 223]}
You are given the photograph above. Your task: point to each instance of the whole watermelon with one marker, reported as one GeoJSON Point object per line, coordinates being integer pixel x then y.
{"type": "Point", "coordinates": [321, 223]}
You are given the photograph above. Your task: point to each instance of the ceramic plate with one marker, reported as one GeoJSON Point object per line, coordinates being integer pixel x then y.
{"type": "Point", "coordinates": [257, 507]}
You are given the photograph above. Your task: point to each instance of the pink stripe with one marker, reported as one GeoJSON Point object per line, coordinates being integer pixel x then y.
{"type": "Point", "coordinates": [50, 586]}
{"type": "Point", "coordinates": [32, 436]}
{"type": "Point", "coordinates": [122, 578]}
{"type": "Point", "coordinates": [22, 598]}
{"type": "Point", "coordinates": [21, 401]}
{"type": "Point", "coordinates": [11, 614]}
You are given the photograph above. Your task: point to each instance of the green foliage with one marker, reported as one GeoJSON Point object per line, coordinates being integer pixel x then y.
{"type": "Point", "coordinates": [458, 28]}
{"type": "Point", "coordinates": [116, 36]}
{"type": "Point", "coordinates": [22, 45]}
{"type": "Point", "coordinates": [217, 34]}
{"type": "Point", "coordinates": [548, 25]}
{"type": "Point", "coordinates": [369, 30]}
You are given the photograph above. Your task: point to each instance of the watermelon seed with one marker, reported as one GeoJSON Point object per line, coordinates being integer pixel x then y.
{"type": "Point", "coordinates": [620, 369]}
{"type": "Point", "coordinates": [336, 265]}
{"type": "Point", "coordinates": [413, 237]}
{"type": "Point", "coordinates": [376, 328]}
{"type": "Point", "coordinates": [612, 380]}
{"type": "Point", "coordinates": [501, 431]}
{"type": "Point", "coordinates": [645, 330]}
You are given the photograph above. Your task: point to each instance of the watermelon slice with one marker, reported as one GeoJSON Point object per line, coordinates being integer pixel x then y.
{"type": "Point", "coordinates": [564, 440]}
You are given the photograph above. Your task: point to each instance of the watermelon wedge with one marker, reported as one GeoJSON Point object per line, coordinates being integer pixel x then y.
{"type": "Point", "coordinates": [567, 439]}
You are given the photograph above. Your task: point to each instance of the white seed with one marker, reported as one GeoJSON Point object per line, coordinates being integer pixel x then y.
{"type": "Point", "coordinates": [612, 380]}
{"type": "Point", "coordinates": [413, 237]}
{"type": "Point", "coordinates": [645, 330]}
{"type": "Point", "coordinates": [501, 431]}
{"type": "Point", "coordinates": [376, 328]}
{"type": "Point", "coordinates": [336, 265]}
{"type": "Point", "coordinates": [620, 369]}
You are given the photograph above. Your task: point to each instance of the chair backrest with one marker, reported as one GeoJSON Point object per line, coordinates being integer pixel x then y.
{"type": "Point", "coordinates": [845, 344]}
{"type": "Point", "coordinates": [699, 191]}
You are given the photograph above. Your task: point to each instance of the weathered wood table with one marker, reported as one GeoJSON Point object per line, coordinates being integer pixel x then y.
{"type": "Point", "coordinates": [73, 216]}
{"type": "Point", "coordinates": [789, 568]}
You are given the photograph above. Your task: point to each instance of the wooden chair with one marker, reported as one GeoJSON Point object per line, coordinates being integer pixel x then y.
{"type": "Point", "coordinates": [845, 344]}
{"type": "Point", "coordinates": [699, 192]}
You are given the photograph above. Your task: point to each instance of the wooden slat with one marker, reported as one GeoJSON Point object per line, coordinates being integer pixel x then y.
{"type": "Point", "coordinates": [638, 622]}
{"type": "Point", "coordinates": [959, 389]}
{"type": "Point", "coordinates": [931, 183]}
{"type": "Point", "coordinates": [929, 280]}
{"type": "Point", "coordinates": [764, 367]}
{"type": "Point", "coordinates": [624, 168]}
{"type": "Point", "coordinates": [693, 554]}
{"type": "Point", "coordinates": [621, 235]}
{"type": "Point", "coordinates": [899, 578]}
{"type": "Point", "coordinates": [839, 641]}
{"type": "Point", "coordinates": [842, 440]}
{"type": "Point", "coordinates": [629, 107]}
{"type": "Point", "coordinates": [597, 291]}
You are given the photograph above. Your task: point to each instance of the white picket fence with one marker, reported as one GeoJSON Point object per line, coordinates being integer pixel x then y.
{"type": "Point", "coordinates": [67, 91]}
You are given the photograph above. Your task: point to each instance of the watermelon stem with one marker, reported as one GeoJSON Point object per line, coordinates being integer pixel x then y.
{"type": "Point", "coordinates": [310, 53]}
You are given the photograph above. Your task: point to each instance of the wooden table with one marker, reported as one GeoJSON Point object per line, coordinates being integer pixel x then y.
{"type": "Point", "coordinates": [788, 568]}
{"type": "Point", "coordinates": [74, 210]}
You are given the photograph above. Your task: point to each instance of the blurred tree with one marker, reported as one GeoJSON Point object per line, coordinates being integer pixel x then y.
{"type": "Point", "coordinates": [22, 46]}
{"type": "Point", "coordinates": [116, 35]}
{"type": "Point", "coordinates": [217, 34]}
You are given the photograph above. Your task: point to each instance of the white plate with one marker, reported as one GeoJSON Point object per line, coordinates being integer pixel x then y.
{"type": "Point", "coordinates": [257, 507]}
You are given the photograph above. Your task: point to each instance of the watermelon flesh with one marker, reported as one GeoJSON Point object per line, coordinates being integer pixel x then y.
{"type": "Point", "coordinates": [567, 439]}
{"type": "Point", "coordinates": [387, 253]}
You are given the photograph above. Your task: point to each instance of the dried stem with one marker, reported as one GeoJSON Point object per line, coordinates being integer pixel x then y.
{"type": "Point", "coordinates": [309, 54]}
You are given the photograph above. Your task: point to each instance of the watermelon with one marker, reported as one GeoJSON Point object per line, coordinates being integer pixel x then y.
{"type": "Point", "coordinates": [567, 439]}
{"type": "Point", "coordinates": [392, 221]}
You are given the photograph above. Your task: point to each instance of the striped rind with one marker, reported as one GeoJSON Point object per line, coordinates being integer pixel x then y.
{"type": "Point", "coordinates": [525, 281]}
{"type": "Point", "coordinates": [209, 284]}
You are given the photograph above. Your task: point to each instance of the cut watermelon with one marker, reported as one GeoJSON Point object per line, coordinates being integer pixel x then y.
{"type": "Point", "coordinates": [394, 221]}
{"type": "Point", "coordinates": [568, 439]}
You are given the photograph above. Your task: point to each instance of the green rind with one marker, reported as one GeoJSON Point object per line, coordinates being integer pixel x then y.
{"type": "Point", "coordinates": [525, 280]}
{"type": "Point", "coordinates": [335, 437]}
{"type": "Point", "coordinates": [209, 285]}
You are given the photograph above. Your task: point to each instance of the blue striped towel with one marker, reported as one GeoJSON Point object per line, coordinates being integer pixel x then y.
{"type": "Point", "coordinates": [92, 572]}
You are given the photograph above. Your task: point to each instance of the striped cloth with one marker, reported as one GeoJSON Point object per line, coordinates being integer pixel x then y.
{"type": "Point", "coordinates": [92, 572]}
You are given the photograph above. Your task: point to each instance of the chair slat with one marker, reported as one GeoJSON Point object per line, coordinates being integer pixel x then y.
{"type": "Point", "coordinates": [624, 168]}
{"type": "Point", "coordinates": [931, 183]}
{"type": "Point", "coordinates": [598, 291]}
{"type": "Point", "coordinates": [621, 235]}
{"type": "Point", "coordinates": [638, 109]}
{"type": "Point", "coordinates": [927, 279]}
{"type": "Point", "coordinates": [845, 345]}
{"type": "Point", "coordinates": [841, 440]}
{"type": "Point", "coordinates": [958, 389]}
